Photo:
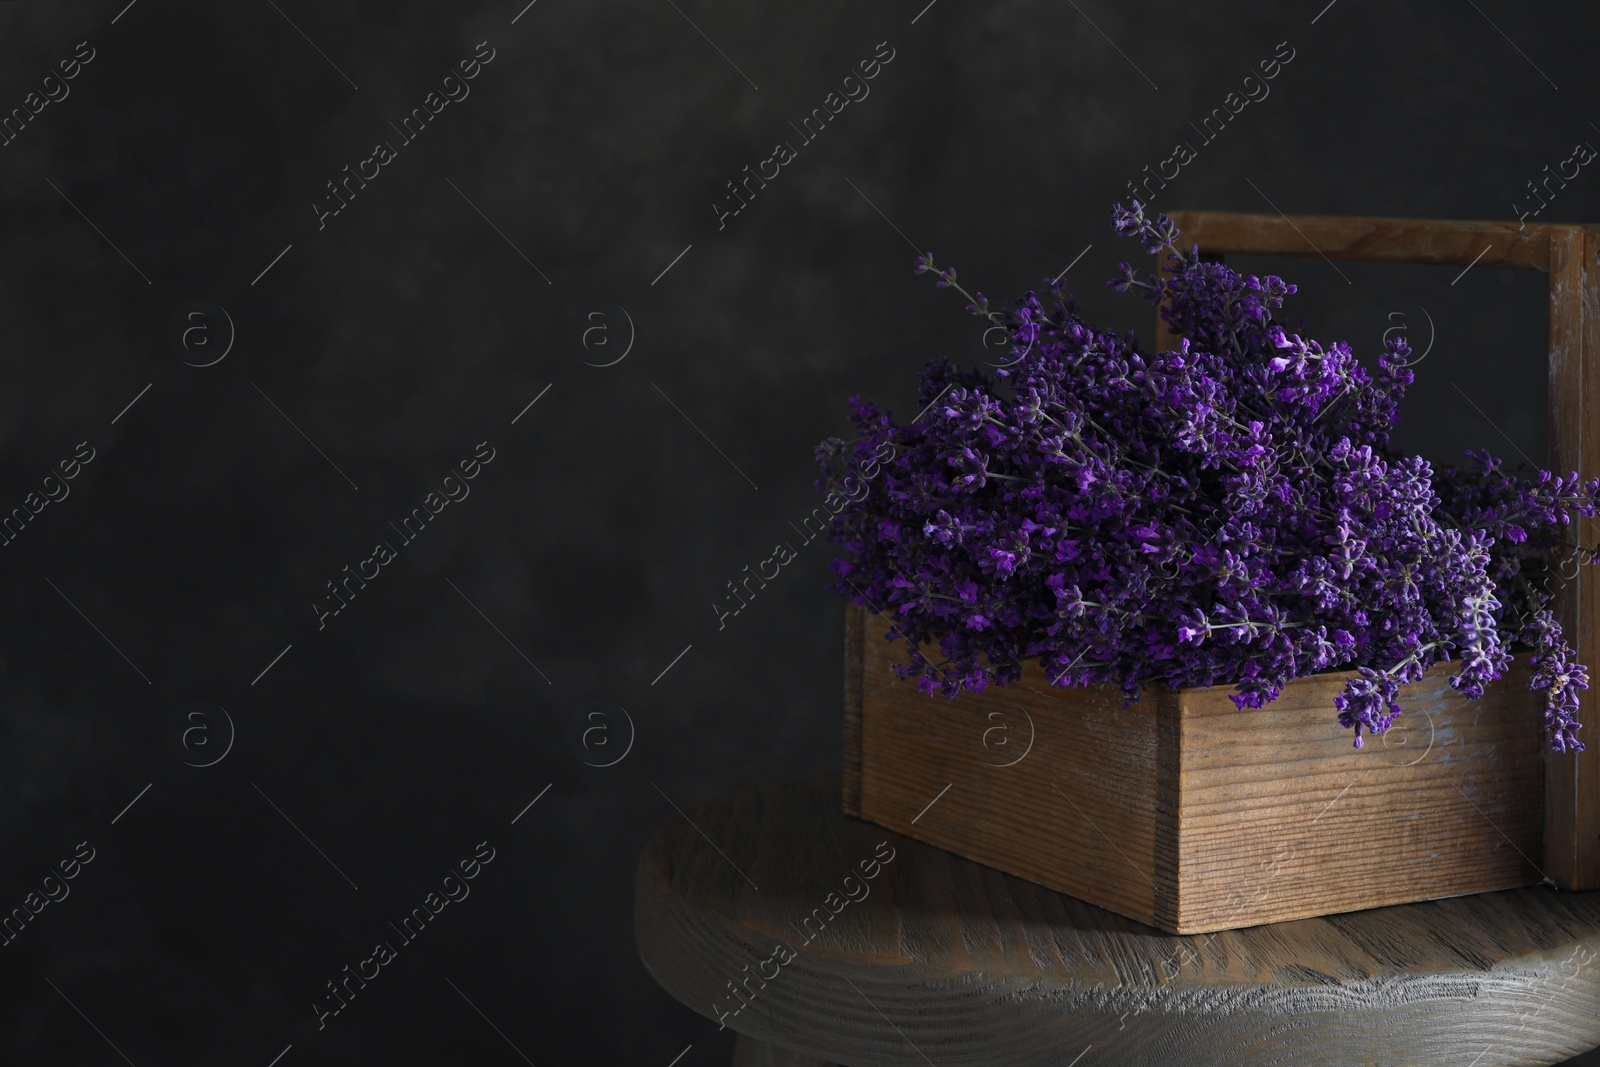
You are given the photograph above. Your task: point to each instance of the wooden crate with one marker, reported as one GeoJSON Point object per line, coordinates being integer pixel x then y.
{"type": "Point", "coordinates": [1184, 813]}
{"type": "Point", "coordinates": [1208, 813]}
{"type": "Point", "coordinates": [1570, 255]}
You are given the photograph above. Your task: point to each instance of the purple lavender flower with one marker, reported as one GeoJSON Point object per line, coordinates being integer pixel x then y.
{"type": "Point", "coordinates": [1227, 513]}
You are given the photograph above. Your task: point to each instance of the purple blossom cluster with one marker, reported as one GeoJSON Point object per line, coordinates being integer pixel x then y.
{"type": "Point", "coordinates": [1229, 512]}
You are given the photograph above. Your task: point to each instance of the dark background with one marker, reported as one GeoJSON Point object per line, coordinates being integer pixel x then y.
{"type": "Point", "coordinates": [192, 548]}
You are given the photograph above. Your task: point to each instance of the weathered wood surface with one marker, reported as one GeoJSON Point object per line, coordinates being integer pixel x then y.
{"type": "Point", "coordinates": [1185, 813]}
{"type": "Point", "coordinates": [1279, 817]}
{"type": "Point", "coordinates": [1572, 806]}
{"type": "Point", "coordinates": [1057, 785]}
{"type": "Point", "coordinates": [1569, 254]}
{"type": "Point", "coordinates": [1438, 241]}
{"type": "Point", "coordinates": [948, 962]}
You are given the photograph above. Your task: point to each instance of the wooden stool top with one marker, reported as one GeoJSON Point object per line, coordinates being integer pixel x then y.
{"type": "Point", "coordinates": [796, 925]}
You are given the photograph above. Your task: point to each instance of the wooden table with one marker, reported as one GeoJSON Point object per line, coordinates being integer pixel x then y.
{"type": "Point", "coordinates": [850, 944]}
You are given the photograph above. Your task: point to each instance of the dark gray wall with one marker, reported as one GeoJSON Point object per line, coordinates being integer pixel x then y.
{"type": "Point", "coordinates": [381, 349]}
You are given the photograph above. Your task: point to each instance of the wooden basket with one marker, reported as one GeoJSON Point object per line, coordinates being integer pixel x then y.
{"type": "Point", "coordinates": [1186, 814]}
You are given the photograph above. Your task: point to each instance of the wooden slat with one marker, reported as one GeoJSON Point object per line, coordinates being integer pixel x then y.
{"type": "Point", "coordinates": [1572, 806]}
{"type": "Point", "coordinates": [1439, 241]}
{"type": "Point", "coordinates": [1168, 854]}
{"type": "Point", "coordinates": [1586, 795]}
{"type": "Point", "coordinates": [1281, 818]}
{"type": "Point", "coordinates": [1185, 813]}
{"type": "Point", "coordinates": [1076, 813]}
{"type": "Point", "coordinates": [1566, 450]}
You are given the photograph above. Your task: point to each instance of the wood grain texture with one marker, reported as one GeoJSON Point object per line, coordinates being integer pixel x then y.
{"type": "Point", "coordinates": [1438, 241]}
{"type": "Point", "coordinates": [1055, 785]}
{"type": "Point", "coordinates": [1569, 253]}
{"type": "Point", "coordinates": [1572, 809]}
{"type": "Point", "coordinates": [1185, 813]}
{"type": "Point", "coordinates": [1279, 817]}
{"type": "Point", "coordinates": [949, 962]}
{"type": "Point", "coordinates": [1585, 806]}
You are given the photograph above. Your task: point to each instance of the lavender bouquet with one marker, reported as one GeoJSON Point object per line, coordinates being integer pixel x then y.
{"type": "Point", "coordinates": [1227, 513]}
